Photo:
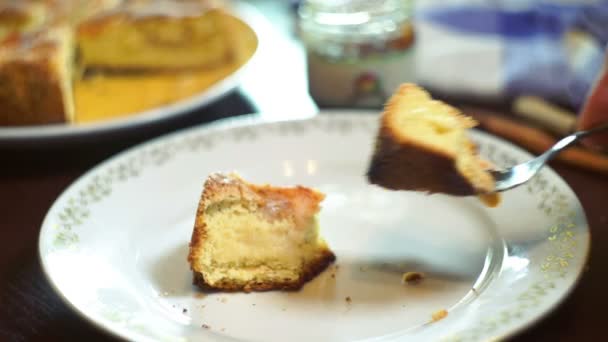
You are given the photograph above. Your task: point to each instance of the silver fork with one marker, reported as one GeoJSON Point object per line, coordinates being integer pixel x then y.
{"type": "Point", "coordinates": [519, 174]}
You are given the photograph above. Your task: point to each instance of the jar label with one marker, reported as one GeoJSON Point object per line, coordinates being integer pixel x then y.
{"type": "Point", "coordinates": [359, 83]}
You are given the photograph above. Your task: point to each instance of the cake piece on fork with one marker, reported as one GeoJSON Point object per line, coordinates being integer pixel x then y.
{"type": "Point", "coordinates": [423, 145]}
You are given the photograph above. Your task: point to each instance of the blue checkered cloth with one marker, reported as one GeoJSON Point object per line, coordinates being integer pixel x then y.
{"type": "Point", "coordinates": [499, 49]}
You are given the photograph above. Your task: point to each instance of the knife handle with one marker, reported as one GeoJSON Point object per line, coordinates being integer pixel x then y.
{"type": "Point", "coordinates": [544, 114]}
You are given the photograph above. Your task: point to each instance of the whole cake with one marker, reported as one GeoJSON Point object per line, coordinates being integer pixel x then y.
{"type": "Point", "coordinates": [423, 145]}
{"type": "Point", "coordinates": [39, 62]}
{"type": "Point", "coordinates": [256, 237]}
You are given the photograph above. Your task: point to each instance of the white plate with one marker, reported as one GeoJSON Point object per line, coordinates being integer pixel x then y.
{"type": "Point", "coordinates": [114, 244]}
{"type": "Point", "coordinates": [54, 132]}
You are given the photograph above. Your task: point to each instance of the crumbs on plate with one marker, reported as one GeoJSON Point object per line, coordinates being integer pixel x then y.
{"type": "Point", "coordinates": [439, 315]}
{"type": "Point", "coordinates": [412, 278]}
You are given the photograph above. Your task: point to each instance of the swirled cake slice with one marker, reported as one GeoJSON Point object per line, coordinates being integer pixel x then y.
{"type": "Point", "coordinates": [21, 16]}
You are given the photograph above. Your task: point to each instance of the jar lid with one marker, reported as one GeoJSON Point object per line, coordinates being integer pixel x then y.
{"type": "Point", "coordinates": [356, 20]}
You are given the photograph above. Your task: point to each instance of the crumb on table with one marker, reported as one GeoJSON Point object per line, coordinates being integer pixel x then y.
{"type": "Point", "coordinates": [439, 315]}
{"type": "Point", "coordinates": [184, 310]}
{"type": "Point", "coordinates": [412, 278]}
{"type": "Point", "coordinates": [348, 299]}
{"type": "Point", "coordinates": [206, 326]}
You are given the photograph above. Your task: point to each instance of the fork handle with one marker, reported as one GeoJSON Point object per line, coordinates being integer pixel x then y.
{"type": "Point", "coordinates": [538, 141]}
{"type": "Point", "coordinates": [569, 140]}
{"type": "Point", "coordinates": [598, 128]}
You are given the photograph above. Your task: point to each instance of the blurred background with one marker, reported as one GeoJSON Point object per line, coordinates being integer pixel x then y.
{"type": "Point", "coordinates": [523, 68]}
{"type": "Point", "coordinates": [491, 51]}
{"type": "Point", "coordinates": [533, 63]}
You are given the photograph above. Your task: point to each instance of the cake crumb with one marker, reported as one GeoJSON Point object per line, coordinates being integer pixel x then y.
{"type": "Point", "coordinates": [184, 310]}
{"type": "Point", "coordinates": [439, 315]}
{"type": "Point", "coordinates": [199, 295]}
{"type": "Point", "coordinates": [223, 299]}
{"type": "Point", "coordinates": [333, 275]}
{"type": "Point", "coordinates": [348, 299]}
{"type": "Point", "coordinates": [206, 326]}
{"type": "Point", "coordinates": [412, 278]}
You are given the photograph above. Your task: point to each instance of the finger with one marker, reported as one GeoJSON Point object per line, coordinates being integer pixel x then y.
{"type": "Point", "coordinates": [595, 111]}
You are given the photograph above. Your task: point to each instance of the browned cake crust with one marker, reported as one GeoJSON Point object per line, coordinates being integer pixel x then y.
{"type": "Point", "coordinates": [33, 97]}
{"type": "Point", "coordinates": [399, 163]}
{"type": "Point", "coordinates": [74, 11]}
{"type": "Point", "coordinates": [405, 166]}
{"type": "Point", "coordinates": [218, 187]}
{"type": "Point", "coordinates": [142, 11]}
{"type": "Point", "coordinates": [30, 80]}
{"type": "Point", "coordinates": [308, 273]}
{"type": "Point", "coordinates": [20, 15]}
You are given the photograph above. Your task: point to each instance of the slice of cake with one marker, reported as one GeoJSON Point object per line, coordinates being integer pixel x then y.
{"type": "Point", "coordinates": [156, 34]}
{"type": "Point", "coordinates": [422, 145]}
{"type": "Point", "coordinates": [35, 77]}
{"type": "Point", "coordinates": [256, 237]}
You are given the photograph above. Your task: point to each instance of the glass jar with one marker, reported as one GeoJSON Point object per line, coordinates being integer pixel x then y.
{"type": "Point", "coordinates": [358, 51]}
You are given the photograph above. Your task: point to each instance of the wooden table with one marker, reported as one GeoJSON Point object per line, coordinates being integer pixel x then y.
{"type": "Point", "coordinates": [31, 179]}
